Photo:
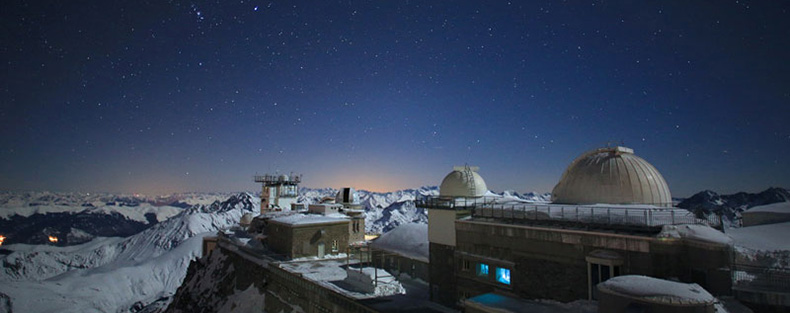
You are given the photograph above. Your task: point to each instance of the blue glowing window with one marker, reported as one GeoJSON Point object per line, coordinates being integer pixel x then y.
{"type": "Point", "coordinates": [503, 275]}
{"type": "Point", "coordinates": [482, 269]}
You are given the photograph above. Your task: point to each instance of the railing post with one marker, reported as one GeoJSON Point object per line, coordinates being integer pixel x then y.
{"type": "Point", "coordinates": [673, 217]}
{"type": "Point", "coordinates": [609, 215]}
{"type": "Point", "coordinates": [562, 212]}
{"type": "Point", "coordinates": [535, 216]}
{"type": "Point", "coordinates": [646, 218]}
{"type": "Point", "coordinates": [577, 213]}
{"type": "Point", "coordinates": [626, 217]}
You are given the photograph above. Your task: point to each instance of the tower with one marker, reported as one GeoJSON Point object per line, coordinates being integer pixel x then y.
{"type": "Point", "coordinates": [278, 192]}
{"type": "Point", "coordinates": [460, 190]}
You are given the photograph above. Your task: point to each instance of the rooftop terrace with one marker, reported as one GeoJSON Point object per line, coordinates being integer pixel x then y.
{"type": "Point", "coordinates": [634, 216]}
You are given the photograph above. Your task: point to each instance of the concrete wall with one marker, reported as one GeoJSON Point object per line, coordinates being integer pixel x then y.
{"type": "Point", "coordinates": [762, 218]}
{"type": "Point", "coordinates": [442, 281]}
{"type": "Point", "coordinates": [549, 263]}
{"type": "Point", "coordinates": [397, 265]}
{"type": "Point", "coordinates": [441, 228]}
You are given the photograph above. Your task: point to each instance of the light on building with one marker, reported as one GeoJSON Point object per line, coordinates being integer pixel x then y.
{"type": "Point", "coordinates": [503, 275]}
{"type": "Point", "coordinates": [2, 238]}
{"type": "Point", "coordinates": [53, 239]}
{"type": "Point", "coordinates": [482, 269]}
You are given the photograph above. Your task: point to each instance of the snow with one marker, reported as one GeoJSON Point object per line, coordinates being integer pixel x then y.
{"type": "Point", "coordinates": [658, 289]}
{"type": "Point", "coordinates": [695, 232]}
{"type": "Point", "coordinates": [112, 274]}
{"type": "Point", "coordinates": [308, 219]}
{"type": "Point", "coordinates": [332, 273]}
{"type": "Point", "coordinates": [770, 237]}
{"type": "Point", "coordinates": [135, 213]}
{"type": "Point", "coordinates": [409, 240]}
{"type": "Point", "coordinates": [779, 207]}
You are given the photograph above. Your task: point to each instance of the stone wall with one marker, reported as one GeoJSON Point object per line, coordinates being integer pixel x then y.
{"type": "Point", "coordinates": [296, 241]}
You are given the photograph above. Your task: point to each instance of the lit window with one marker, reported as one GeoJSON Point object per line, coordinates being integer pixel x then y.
{"type": "Point", "coordinates": [503, 275]}
{"type": "Point", "coordinates": [482, 269]}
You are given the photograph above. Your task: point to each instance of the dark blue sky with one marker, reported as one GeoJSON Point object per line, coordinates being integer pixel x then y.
{"type": "Point", "coordinates": [199, 96]}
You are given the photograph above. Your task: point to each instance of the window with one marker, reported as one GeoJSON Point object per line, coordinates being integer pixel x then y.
{"type": "Point", "coordinates": [482, 269]}
{"type": "Point", "coordinates": [465, 265]}
{"type": "Point", "coordinates": [334, 246]}
{"type": "Point", "coordinates": [503, 275]}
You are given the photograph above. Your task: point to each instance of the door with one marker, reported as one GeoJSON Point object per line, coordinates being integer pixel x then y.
{"type": "Point", "coordinates": [321, 250]}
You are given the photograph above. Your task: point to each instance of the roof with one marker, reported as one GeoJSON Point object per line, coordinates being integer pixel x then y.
{"type": "Point", "coordinates": [657, 290]}
{"type": "Point", "coordinates": [463, 181]}
{"type": "Point", "coordinates": [611, 175]}
{"type": "Point", "coordinates": [779, 207]}
{"type": "Point", "coordinates": [408, 240]}
{"type": "Point", "coordinates": [310, 219]}
{"type": "Point", "coordinates": [769, 237]}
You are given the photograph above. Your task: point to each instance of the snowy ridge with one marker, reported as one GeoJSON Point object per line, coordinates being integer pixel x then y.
{"type": "Point", "coordinates": [114, 274]}
{"type": "Point", "coordinates": [730, 206]}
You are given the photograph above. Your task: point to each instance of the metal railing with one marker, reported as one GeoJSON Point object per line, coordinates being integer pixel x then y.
{"type": "Point", "coordinates": [757, 278]}
{"type": "Point", "coordinates": [641, 215]}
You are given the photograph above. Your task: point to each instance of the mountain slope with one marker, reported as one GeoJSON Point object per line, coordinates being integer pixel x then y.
{"type": "Point", "coordinates": [122, 273]}
{"type": "Point", "coordinates": [730, 206]}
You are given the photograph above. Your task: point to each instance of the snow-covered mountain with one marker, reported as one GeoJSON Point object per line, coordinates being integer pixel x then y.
{"type": "Point", "coordinates": [114, 274]}
{"type": "Point", "coordinates": [385, 211]}
{"type": "Point", "coordinates": [75, 218]}
{"type": "Point", "coordinates": [730, 206]}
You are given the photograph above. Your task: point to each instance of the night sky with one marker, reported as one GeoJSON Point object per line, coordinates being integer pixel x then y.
{"type": "Point", "coordinates": [158, 97]}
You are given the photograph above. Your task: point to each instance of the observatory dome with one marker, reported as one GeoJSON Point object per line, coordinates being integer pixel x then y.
{"type": "Point", "coordinates": [613, 176]}
{"type": "Point", "coordinates": [463, 181]}
{"type": "Point", "coordinates": [347, 195]}
{"type": "Point", "coordinates": [284, 177]}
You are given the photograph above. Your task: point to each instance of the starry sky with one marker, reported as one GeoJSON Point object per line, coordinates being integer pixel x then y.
{"type": "Point", "coordinates": [167, 96]}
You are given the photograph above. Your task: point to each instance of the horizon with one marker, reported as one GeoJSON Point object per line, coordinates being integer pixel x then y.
{"type": "Point", "coordinates": [170, 97]}
{"type": "Point", "coordinates": [256, 192]}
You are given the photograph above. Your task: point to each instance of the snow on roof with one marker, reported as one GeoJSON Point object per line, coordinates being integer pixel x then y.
{"type": "Point", "coordinates": [770, 237]}
{"type": "Point", "coordinates": [307, 219]}
{"type": "Point", "coordinates": [694, 232]}
{"type": "Point", "coordinates": [502, 303]}
{"type": "Point", "coordinates": [658, 290]}
{"type": "Point", "coordinates": [408, 240]}
{"type": "Point", "coordinates": [779, 207]}
{"type": "Point", "coordinates": [328, 273]}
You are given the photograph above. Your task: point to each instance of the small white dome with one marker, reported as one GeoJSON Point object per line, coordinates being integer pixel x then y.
{"type": "Point", "coordinates": [613, 176]}
{"type": "Point", "coordinates": [283, 177]}
{"type": "Point", "coordinates": [463, 181]}
{"type": "Point", "coordinates": [347, 195]}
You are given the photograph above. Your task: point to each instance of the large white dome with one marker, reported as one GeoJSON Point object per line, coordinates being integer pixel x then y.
{"type": "Point", "coordinates": [613, 176]}
{"type": "Point", "coordinates": [463, 181]}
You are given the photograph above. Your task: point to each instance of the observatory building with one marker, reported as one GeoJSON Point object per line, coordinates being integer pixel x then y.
{"type": "Point", "coordinates": [611, 216]}
{"type": "Point", "coordinates": [611, 175]}
{"type": "Point", "coordinates": [279, 192]}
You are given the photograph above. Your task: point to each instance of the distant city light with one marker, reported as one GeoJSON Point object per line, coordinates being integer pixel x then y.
{"type": "Point", "coordinates": [53, 239]}
{"type": "Point", "coordinates": [2, 238]}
